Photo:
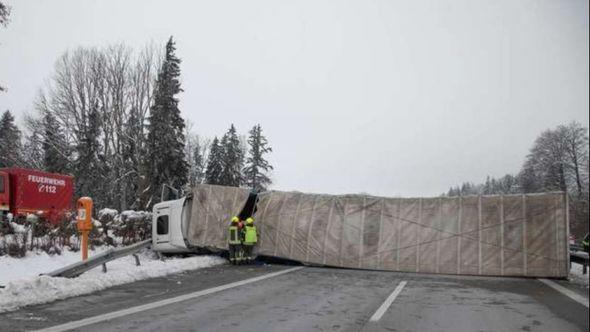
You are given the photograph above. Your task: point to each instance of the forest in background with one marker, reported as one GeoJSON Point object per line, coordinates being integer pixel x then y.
{"type": "Point", "coordinates": [557, 161]}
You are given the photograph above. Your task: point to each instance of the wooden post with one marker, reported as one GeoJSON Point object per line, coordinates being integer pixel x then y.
{"type": "Point", "coordinates": [84, 245]}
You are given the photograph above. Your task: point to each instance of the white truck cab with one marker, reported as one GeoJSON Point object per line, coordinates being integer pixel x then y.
{"type": "Point", "coordinates": [167, 222]}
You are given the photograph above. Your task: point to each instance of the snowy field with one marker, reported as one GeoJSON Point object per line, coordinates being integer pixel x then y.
{"type": "Point", "coordinates": [24, 286]}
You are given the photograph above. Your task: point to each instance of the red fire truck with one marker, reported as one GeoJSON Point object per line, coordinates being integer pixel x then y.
{"type": "Point", "coordinates": [27, 191]}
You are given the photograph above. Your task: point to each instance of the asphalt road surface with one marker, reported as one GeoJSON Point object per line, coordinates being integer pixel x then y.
{"type": "Point", "coordinates": [311, 299]}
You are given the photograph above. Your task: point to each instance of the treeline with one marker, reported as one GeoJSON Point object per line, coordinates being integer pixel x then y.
{"type": "Point", "coordinates": [110, 117]}
{"type": "Point", "coordinates": [508, 184]}
{"type": "Point", "coordinates": [557, 161]}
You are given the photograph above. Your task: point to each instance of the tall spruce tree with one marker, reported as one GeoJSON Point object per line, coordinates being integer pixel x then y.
{"type": "Point", "coordinates": [199, 161]}
{"type": "Point", "coordinates": [257, 167]}
{"type": "Point", "coordinates": [89, 164]}
{"type": "Point", "coordinates": [33, 156]}
{"type": "Point", "coordinates": [10, 141]}
{"type": "Point", "coordinates": [165, 140]}
{"type": "Point", "coordinates": [232, 159]}
{"type": "Point", "coordinates": [214, 163]}
{"type": "Point", "coordinates": [54, 146]}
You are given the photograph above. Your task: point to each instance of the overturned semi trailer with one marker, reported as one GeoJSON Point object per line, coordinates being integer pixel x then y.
{"type": "Point", "coordinates": [510, 235]}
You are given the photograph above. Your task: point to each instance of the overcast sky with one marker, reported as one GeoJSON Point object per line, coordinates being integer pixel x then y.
{"type": "Point", "coordinates": [384, 97]}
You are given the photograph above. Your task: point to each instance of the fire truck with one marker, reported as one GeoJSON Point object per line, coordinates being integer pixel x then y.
{"type": "Point", "coordinates": [49, 196]}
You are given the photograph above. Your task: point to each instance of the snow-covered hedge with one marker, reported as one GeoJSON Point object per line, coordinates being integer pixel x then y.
{"type": "Point", "coordinates": [18, 237]}
{"type": "Point", "coordinates": [111, 228]}
{"type": "Point", "coordinates": [133, 226]}
{"type": "Point", "coordinates": [123, 228]}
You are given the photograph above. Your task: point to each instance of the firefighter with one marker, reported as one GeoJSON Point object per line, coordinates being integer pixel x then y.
{"type": "Point", "coordinates": [240, 251]}
{"type": "Point", "coordinates": [250, 239]}
{"type": "Point", "coordinates": [234, 240]}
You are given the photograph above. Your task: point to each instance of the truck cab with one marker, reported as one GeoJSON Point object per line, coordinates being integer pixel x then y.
{"type": "Point", "coordinates": [4, 194]}
{"type": "Point", "coordinates": [168, 218]}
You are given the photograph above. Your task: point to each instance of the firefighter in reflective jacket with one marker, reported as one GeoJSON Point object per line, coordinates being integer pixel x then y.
{"type": "Point", "coordinates": [234, 240]}
{"type": "Point", "coordinates": [250, 239]}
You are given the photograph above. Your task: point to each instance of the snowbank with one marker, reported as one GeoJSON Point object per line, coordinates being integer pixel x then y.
{"type": "Point", "coordinates": [24, 287]}
{"type": "Point", "coordinates": [107, 213]}
{"type": "Point", "coordinates": [19, 229]}
{"type": "Point", "coordinates": [35, 263]}
{"type": "Point", "coordinates": [130, 215]}
{"type": "Point", "coordinates": [576, 276]}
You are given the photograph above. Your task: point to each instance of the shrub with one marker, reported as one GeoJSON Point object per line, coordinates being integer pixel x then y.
{"type": "Point", "coordinates": [111, 228]}
{"type": "Point", "coordinates": [133, 226]}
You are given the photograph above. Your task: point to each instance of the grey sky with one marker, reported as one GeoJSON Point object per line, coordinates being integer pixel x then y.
{"type": "Point", "coordinates": [386, 97]}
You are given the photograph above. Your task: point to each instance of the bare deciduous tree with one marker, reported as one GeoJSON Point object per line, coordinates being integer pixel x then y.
{"type": "Point", "coordinates": [117, 85]}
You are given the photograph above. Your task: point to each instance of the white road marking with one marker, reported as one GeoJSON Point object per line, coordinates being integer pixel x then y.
{"type": "Point", "coordinates": [157, 304]}
{"type": "Point", "coordinates": [569, 293]}
{"type": "Point", "coordinates": [383, 308]}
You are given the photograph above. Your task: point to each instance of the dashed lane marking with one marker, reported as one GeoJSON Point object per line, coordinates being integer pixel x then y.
{"type": "Point", "coordinates": [383, 308]}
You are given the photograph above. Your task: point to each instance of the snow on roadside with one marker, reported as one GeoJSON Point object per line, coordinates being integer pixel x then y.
{"type": "Point", "coordinates": [576, 276]}
{"type": "Point", "coordinates": [35, 263]}
{"type": "Point", "coordinates": [24, 290]}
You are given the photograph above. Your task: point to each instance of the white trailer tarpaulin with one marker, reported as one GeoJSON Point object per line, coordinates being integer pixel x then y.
{"type": "Point", "coordinates": [511, 235]}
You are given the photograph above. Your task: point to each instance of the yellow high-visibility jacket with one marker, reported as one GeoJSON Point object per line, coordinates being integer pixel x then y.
{"type": "Point", "coordinates": [251, 235]}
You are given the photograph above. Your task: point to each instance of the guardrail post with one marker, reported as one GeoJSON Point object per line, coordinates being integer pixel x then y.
{"type": "Point", "coordinates": [136, 260]}
{"type": "Point", "coordinates": [104, 267]}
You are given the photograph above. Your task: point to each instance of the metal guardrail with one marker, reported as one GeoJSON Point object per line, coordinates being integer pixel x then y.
{"type": "Point", "coordinates": [76, 269]}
